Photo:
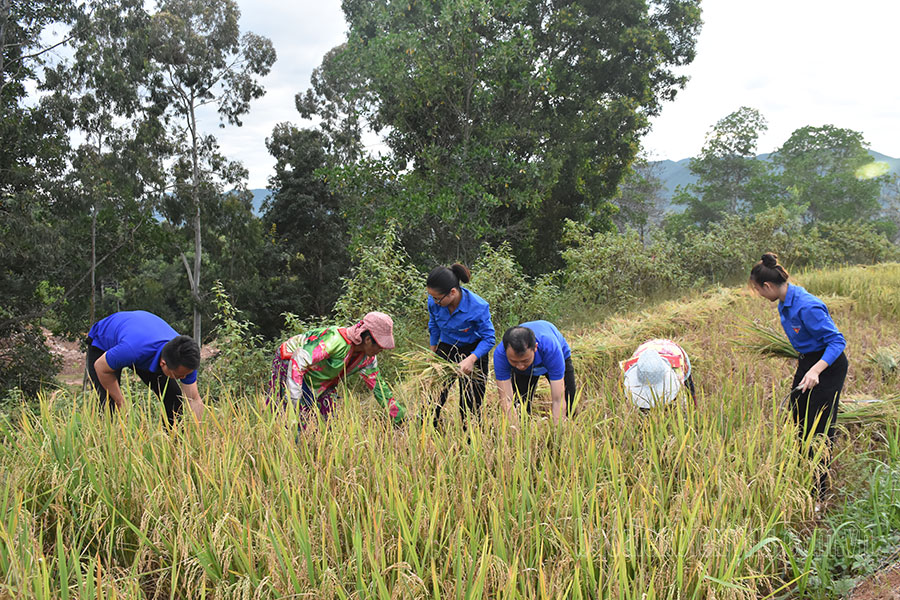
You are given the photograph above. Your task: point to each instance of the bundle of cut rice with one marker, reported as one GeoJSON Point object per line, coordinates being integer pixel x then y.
{"type": "Point", "coordinates": [766, 340]}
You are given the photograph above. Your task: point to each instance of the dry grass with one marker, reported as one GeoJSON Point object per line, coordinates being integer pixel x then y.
{"type": "Point", "coordinates": [684, 503]}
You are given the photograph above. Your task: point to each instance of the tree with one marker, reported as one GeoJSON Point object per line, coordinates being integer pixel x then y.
{"type": "Point", "coordinates": [117, 171]}
{"type": "Point", "coordinates": [502, 117]}
{"type": "Point", "coordinates": [640, 201]}
{"type": "Point", "coordinates": [205, 60]}
{"type": "Point", "coordinates": [729, 176]}
{"type": "Point", "coordinates": [818, 167]}
{"type": "Point", "coordinates": [33, 153]}
{"type": "Point", "coordinates": [304, 220]}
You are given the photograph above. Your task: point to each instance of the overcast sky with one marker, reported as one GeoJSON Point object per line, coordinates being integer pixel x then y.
{"type": "Point", "coordinates": [800, 62]}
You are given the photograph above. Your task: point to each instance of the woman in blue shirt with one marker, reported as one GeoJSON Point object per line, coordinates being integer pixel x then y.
{"type": "Point", "coordinates": [822, 367]}
{"type": "Point", "coordinates": [460, 328]}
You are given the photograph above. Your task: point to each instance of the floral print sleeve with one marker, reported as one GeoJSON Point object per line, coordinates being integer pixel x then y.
{"type": "Point", "coordinates": [309, 352]}
{"type": "Point", "coordinates": [369, 373]}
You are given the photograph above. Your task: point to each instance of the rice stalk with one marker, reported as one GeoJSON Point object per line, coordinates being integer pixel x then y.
{"type": "Point", "coordinates": [886, 359]}
{"type": "Point", "coordinates": [766, 340]}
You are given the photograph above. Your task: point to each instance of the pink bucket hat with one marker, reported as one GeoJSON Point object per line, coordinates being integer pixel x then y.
{"type": "Point", "coordinates": [379, 325]}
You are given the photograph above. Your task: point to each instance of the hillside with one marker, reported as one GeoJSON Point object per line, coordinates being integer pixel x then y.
{"type": "Point", "coordinates": [695, 501]}
{"type": "Point", "coordinates": [677, 173]}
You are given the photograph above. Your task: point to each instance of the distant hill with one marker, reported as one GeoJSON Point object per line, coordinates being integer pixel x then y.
{"type": "Point", "coordinates": [678, 173]}
{"type": "Point", "coordinates": [259, 196]}
{"type": "Point", "coordinates": [673, 173]}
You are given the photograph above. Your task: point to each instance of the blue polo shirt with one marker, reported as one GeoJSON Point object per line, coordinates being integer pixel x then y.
{"type": "Point", "coordinates": [469, 323]}
{"type": "Point", "coordinates": [134, 339]}
{"type": "Point", "coordinates": [549, 356]}
{"type": "Point", "coordinates": [808, 324]}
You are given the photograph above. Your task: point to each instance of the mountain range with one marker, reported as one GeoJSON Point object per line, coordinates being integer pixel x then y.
{"type": "Point", "coordinates": [678, 173]}
{"type": "Point", "coordinates": [672, 173]}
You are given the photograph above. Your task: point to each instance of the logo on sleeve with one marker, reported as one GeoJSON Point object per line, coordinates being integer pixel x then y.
{"type": "Point", "coordinates": [796, 329]}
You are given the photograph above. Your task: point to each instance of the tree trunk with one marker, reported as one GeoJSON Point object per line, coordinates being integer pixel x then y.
{"type": "Point", "coordinates": [93, 314]}
{"type": "Point", "coordinates": [198, 248]}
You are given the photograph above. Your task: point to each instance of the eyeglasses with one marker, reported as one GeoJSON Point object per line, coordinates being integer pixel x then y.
{"type": "Point", "coordinates": [441, 299]}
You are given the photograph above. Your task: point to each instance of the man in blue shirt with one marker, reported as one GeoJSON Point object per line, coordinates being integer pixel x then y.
{"type": "Point", "coordinates": [144, 342]}
{"type": "Point", "coordinates": [527, 352]}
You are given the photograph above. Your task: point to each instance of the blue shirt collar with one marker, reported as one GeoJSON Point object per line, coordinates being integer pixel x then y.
{"type": "Point", "coordinates": [154, 364]}
{"type": "Point", "coordinates": [464, 302]}
{"type": "Point", "coordinates": [789, 296]}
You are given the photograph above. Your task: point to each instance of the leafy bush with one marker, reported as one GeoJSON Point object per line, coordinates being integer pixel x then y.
{"type": "Point", "coordinates": [242, 361]}
{"type": "Point", "coordinates": [513, 296]}
{"type": "Point", "coordinates": [26, 364]}
{"type": "Point", "coordinates": [853, 242]}
{"type": "Point", "coordinates": [728, 249]}
{"type": "Point", "coordinates": [612, 269]}
{"type": "Point", "coordinates": [384, 279]}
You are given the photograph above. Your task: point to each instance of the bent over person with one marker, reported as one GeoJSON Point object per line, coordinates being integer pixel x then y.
{"type": "Point", "coordinates": [527, 352]}
{"type": "Point", "coordinates": [308, 367]}
{"type": "Point", "coordinates": [460, 331]}
{"type": "Point", "coordinates": [657, 373]}
{"type": "Point", "coordinates": [160, 357]}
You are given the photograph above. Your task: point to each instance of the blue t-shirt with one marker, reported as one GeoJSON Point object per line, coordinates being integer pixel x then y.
{"type": "Point", "coordinates": [469, 323]}
{"type": "Point", "coordinates": [808, 324]}
{"type": "Point", "coordinates": [134, 338]}
{"type": "Point", "coordinates": [549, 356]}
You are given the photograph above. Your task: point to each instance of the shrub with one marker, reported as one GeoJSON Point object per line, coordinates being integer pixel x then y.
{"type": "Point", "coordinates": [617, 269]}
{"type": "Point", "coordinates": [513, 296]}
{"type": "Point", "coordinates": [26, 364]}
{"type": "Point", "coordinates": [728, 249]}
{"type": "Point", "coordinates": [242, 361]}
{"type": "Point", "coordinates": [853, 242]}
{"type": "Point", "coordinates": [385, 279]}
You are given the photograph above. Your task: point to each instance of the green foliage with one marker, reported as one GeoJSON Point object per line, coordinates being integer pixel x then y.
{"type": "Point", "coordinates": [309, 236]}
{"type": "Point", "coordinates": [852, 242]}
{"type": "Point", "coordinates": [818, 167]}
{"type": "Point", "coordinates": [494, 133]}
{"type": "Point", "coordinates": [384, 279]}
{"type": "Point", "coordinates": [860, 538]}
{"type": "Point", "coordinates": [513, 296]}
{"type": "Point", "coordinates": [240, 365]}
{"type": "Point", "coordinates": [26, 363]}
{"type": "Point", "coordinates": [728, 249]}
{"type": "Point", "coordinates": [607, 268]}
{"type": "Point", "coordinates": [727, 169]}
{"type": "Point", "coordinates": [615, 270]}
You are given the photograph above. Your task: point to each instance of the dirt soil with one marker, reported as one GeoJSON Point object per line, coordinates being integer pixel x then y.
{"type": "Point", "coordinates": [884, 585]}
{"type": "Point", "coordinates": [72, 359]}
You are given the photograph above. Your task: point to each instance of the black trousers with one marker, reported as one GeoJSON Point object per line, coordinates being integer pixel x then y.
{"type": "Point", "coordinates": [815, 411]}
{"type": "Point", "coordinates": [524, 385]}
{"type": "Point", "coordinates": [164, 387]}
{"type": "Point", "coordinates": [471, 389]}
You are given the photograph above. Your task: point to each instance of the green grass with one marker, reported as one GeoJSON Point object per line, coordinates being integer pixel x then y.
{"type": "Point", "coordinates": [692, 502]}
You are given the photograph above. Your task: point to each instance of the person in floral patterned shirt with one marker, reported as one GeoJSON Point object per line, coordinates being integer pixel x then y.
{"type": "Point", "coordinates": [308, 367]}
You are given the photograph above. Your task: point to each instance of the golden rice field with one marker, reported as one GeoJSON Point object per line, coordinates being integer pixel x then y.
{"type": "Point", "coordinates": [705, 502]}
